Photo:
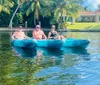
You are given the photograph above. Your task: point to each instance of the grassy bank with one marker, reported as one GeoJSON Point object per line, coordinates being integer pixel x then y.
{"type": "Point", "coordinates": [71, 27]}
{"type": "Point", "coordinates": [84, 26]}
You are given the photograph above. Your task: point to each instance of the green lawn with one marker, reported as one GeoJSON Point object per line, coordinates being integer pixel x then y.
{"type": "Point", "coordinates": [84, 26]}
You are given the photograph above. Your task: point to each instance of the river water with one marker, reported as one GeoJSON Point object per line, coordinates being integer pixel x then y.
{"type": "Point", "coordinates": [50, 67]}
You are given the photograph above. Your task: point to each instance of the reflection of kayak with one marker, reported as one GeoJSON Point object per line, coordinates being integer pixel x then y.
{"type": "Point", "coordinates": [62, 51]}
{"type": "Point", "coordinates": [50, 51]}
{"type": "Point", "coordinates": [69, 42]}
{"type": "Point", "coordinates": [30, 52]}
{"type": "Point", "coordinates": [74, 51]}
{"type": "Point", "coordinates": [25, 52]}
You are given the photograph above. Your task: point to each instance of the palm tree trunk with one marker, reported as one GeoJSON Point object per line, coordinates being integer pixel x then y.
{"type": "Point", "coordinates": [10, 24]}
{"type": "Point", "coordinates": [34, 21]}
{"type": "Point", "coordinates": [60, 20]}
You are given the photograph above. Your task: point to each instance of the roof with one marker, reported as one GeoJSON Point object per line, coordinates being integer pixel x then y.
{"type": "Point", "coordinates": [89, 13]}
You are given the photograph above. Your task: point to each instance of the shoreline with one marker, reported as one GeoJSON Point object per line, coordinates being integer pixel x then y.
{"type": "Point", "coordinates": [61, 30]}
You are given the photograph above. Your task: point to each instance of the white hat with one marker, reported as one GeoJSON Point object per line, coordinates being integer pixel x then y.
{"type": "Point", "coordinates": [53, 26]}
{"type": "Point", "coordinates": [38, 26]}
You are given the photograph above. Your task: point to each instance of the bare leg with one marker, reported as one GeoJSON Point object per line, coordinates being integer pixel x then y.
{"type": "Point", "coordinates": [58, 37]}
{"type": "Point", "coordinates": [62, 37]}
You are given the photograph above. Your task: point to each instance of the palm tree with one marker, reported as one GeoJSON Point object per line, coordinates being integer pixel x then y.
{"type": "Point", "coordinates": [69, 8]}
{"type": "Point", "coordinates": [39, 7]}
{"type": "Point", "coordinates": [34, 6]}
{"type": "Point", "coordinates": [58, 8]}
{"type": "Point", "coordinates": [5, 5]}
{"type": "Point", "coordinates": [47, 7]}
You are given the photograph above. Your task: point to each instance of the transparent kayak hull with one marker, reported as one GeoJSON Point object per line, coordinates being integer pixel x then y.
{"type": "Point", "coordinates": [69, 42]}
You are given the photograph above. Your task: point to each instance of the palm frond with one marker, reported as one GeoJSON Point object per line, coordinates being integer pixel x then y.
{"type": "Point", "coordinates": [29, 10]}
{"type": "Point", "coordinates": [38, 5]}
{"type": "Point", "coordinates": [0, 8]}
{"type": "Point", "coordinates": [11, 4]}
{"type": "Point", "coordinates": [57, 14]}
{"type": "Point", "coordinates": [33, 6]}
{"type": "Point", "coordinates": [6, 10]}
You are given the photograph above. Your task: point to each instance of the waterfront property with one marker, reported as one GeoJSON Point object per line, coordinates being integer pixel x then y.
{"type": "Point", "coordinates": [89, 16]}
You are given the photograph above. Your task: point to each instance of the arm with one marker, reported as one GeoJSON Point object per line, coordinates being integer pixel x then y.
{"type": "Point", "coordinates": [57, 35]}
{"type": "Point", "coordinates": [12, 37]}
{"type": "Point", "coordinates": [49, 35]}
{"type": "Point", "coordinates": [26, 36]}
{"type": "Point", "coordinates": [33, 34]}
{"type": "Point", "coordinates": [44, 36]}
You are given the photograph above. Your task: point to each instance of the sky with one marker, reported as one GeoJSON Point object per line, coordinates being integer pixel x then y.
{"type": "Point", "coordinates": [92, 4]}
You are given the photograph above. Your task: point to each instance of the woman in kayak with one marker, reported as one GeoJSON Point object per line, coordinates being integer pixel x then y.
{"type": "Point", "coordinates": [38, 33]}
{"type": "Point", "coordinates": [54, 35]}
{"type": "Point", "coordinates": [19, 34]}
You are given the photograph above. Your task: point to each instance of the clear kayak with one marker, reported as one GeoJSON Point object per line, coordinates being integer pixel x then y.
{"type": "Point", "coordinates": [50, 43]}
{"type": "Point", "coordinates": [24, 43]}
{"type": "Point", "coordinates": [71, 42]}
{"type": "Point", "coordinates": [68, 42]}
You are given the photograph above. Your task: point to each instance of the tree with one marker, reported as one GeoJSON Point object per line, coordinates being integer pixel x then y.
{"type": "Point", "coordinates": [52, 11]}
{"type": "Point", "coordinates": [56, 8]}
{"type": "Point", "coordinates": [34, 6]}
{"type": "Point", "coordinates": [38, 7]}
{"type": "Point", "coordinates": [5, 5]}
{"type": "Point", "coordinates": [5, 10]}
{"type": "Point", "coordinates": [69, 8]}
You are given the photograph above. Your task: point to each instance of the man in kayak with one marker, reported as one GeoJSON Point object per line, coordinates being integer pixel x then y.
{"type": "Point", "coordinates": [38, 33]}
{"type": "Point", "coordinates": [19, 34]}
{"type": "Point", "coordinates": [54, 35]}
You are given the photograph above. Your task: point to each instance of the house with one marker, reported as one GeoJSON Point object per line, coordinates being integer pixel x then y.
{"type": "Point", "coordinates": [89, 16]}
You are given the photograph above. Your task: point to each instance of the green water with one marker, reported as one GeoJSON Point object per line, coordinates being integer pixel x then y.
{"type": "Point", "coordinates": [51, 67]}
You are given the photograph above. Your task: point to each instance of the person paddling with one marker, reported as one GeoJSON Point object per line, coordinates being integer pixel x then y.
{"type": "Point", "coordinates": [38, 33]}
{"type": "Point", "coordinates": [19, 34]}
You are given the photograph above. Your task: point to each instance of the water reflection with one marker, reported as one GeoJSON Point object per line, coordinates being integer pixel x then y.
{"type": "Point", "coordinates": [56, 56]}
{"type": "Point", "coordinates": [43, 66]}
{"type": "Point", "coordinates": [25, 52]}
{"type": "Point", "coordinates": [31, 52]}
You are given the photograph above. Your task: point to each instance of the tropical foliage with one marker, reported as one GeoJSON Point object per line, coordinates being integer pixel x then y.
{"type": "Point", "coordinates": [5, 6]}
{"type": "Point", "coordinates": [35, 11]}
{"type": "Point", "coordinates": [69, 8]}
